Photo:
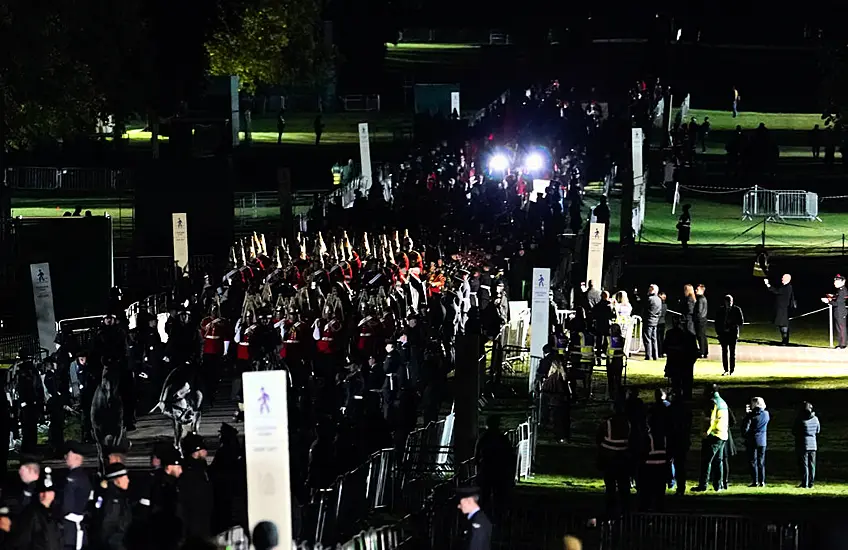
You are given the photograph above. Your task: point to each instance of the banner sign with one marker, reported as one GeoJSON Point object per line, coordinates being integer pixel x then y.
{"type": "Point", "coordinates": [180, 225]}
{"type": "Point", "coordinates": [266, 442]}
{"type": "Point", "coordinates": [539, 311]}
{"type": "Point", "coordinates": [365, 155]}
{"type": "Point", "coordinates": [45, 315]}
{"type": "Point", "coordinates": [455, 104]}
{"type": "Point", "coordinates": [637, 139]}
{"type": "Point", "coordinates": [595, 258]}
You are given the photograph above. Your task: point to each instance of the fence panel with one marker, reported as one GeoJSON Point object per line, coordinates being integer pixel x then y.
{"type": "Point", "coordinates": [12, 344]}
{"type": "Point", "coordinates": [780, 205]}
{"type": "Point", "coordinates": [151, 274]}
{"type": "Point", "coordinates": [42, 178]}
{"type": "Point", "coordinates": [683, 532]}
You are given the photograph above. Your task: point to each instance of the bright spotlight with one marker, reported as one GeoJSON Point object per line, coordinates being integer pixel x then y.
{"type": "Point", "coordinates": [534, 162]}
{"type": "Point", "coordinates": [499, 163]}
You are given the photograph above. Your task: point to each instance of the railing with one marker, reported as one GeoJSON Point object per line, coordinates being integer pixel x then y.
{"type": "Point", "coordinates": [80, 330]}
{"type": "Point", "coordinates": [361, 102]}
{"type": "Point", "coordinates": [780, 205]}
{"type": "Point", "coordinates": [497, 38]}
{"type": "Point", "coordinates": [429, 450]}
{"type": "Point", "coordinates": [684, 532]}
{"type": "Point", "coordinates": [152, 274]}
{"type": "Point", "coordinates": [12, 344]}
{"type": "Point", "coordinates": [523, 438]}
{"type": "Point", "coordinates": [39, 178]}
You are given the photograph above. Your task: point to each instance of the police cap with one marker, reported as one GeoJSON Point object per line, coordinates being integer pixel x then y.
{"type": "Point", "coordinates": [838, 277]}
{"type": "Point", "coordinates": [74, 447]}
{"type": "Point", "coordinates": [115, 470]}
{"type": "Point", "coordinates": [192, 443]}
{"type": "Point", "coordinates": [171, 458]}
{"type": "Point", "coordinates": [467, 492]}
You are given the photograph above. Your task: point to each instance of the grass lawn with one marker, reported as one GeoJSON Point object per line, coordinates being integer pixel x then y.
{"type": "Point", "coordinates": [724, 121]}
{"type": "Point", "coordinates": [426, 46]}
{"type": "Point", "coordinates": [720, 223]}
{"type": "Point", "coordinates": [339, 128]}
{"type": "Point", "coordinates": [572, 466]}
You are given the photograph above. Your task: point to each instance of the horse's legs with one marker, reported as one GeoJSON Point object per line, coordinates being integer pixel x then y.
{"type": "Point", "coordinates": [177, 434]}
{"type": "Point", "coordinates": [100, 461]}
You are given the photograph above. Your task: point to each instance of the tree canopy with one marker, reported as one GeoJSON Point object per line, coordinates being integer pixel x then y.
{"type": "Point", "coordinates": [271, 42]}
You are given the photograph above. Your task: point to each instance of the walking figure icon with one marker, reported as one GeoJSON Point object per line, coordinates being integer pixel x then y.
{"type": "Point", "coordinates": [597, 233]}
{"type": "Point", "coordinates": [541, 281]}
{"type": "Point", "coordinates": [40, 276]}
{"type": "Point", "coordinates": [264, 399]}
{"type": "Point", "coordinates": [179, 223]}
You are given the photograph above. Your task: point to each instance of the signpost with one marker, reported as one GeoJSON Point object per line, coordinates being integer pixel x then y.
{"type": "Point", "coordinates": [540, 309]}
{"type": "Point", "coordinates": [45, 315]}
{"type": "Point", "coordinates": [266, 442]}
{"type": "Point", "coordinates": [637, 139]}
{"type": "Point", "coordinates": [455, 104]}
{"type": "Point", "coordinates": [595, 258]}
{"type": "Point", "coordinates": [180, 225]}
{"type": "Point", "coordinates": [365, 155]}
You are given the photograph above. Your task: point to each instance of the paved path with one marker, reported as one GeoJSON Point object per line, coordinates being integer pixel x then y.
{"type": "Point", "coordinates": [783, 354]}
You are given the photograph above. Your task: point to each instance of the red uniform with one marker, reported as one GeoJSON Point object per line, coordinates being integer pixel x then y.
{"type": "Point", "coordinates": [243, 352]}
{"type": "Point", "coordinates": [328, 343]}
{"type": "Point", "coordinates": [215, 333]}
{"type": "Point", "coordinates": [370, 330]}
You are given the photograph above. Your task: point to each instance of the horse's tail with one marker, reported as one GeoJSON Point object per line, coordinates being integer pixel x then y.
{"type": "Point", "coordinates": [159, 407]}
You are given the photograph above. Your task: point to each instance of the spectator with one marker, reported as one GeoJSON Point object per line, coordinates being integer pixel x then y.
{"type": "Point", "coordinates": [806, 430]}
{"type": "Point", "coordinates": [688, 307]}
{"type": "Point", "coordinates": [556, 386]}
{"type": "Point", "coordinates": [755, 432]}
{"type": "Point", "coordinates": [700, 319]}
{"type": "Point", "coordinates": [661, 324]}
{"type": "Point", "coordinates": [684, 226]}
{"type": "Point", "coordinates": [729, 320]}
{"type": "Point", "coordinates": [653, 310]}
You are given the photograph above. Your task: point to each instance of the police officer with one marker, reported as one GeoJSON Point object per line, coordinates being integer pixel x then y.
{"type": "Point", "coordinates": [30, 400]}
{"type": "Point", "coordinates": [75, 497]}
{"type": "Point", "coordinates": [195, 489]}
{"type": "Point", "coordinates": [57, 384]}
{"type": "Point", "coordinates": [116, 510]}
{"type": "Point", "coordinates": [613, 439]}
{"type": "Point", "coordinates": [479, 532]}
{"type": "Point", "coordinates": [839, 309]}
{"type": "Point", "coordinates": [37, 527]}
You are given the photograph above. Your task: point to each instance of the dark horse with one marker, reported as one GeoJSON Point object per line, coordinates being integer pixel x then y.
{"type": "Point", "coordinates": [107, 414]}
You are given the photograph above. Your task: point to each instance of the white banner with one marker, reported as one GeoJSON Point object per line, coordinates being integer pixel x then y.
{"type": "Point", "coordinates": [45, 315]}
{"type": "Point", "coordinates": [266, 442]}
{"type": "Point", "coordinates": [637, 139]}
{"type": "Point", "coordinates": [180, 225]}
{"type": "Point", "coordinates": [365, 155]}
{"type": "Point", "coordinates": [595, 258]}
{"type": "Point", "coordinates": [540, 309]}
{"type": "Point", "coordinates": [455, 104]}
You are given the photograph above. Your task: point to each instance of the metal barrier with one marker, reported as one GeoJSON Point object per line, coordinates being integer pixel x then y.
{"type": "Point", "coordinates": [43, 178]}
{"type": "Point", "coordinates": [80, 330]}
{"type": "Point", "coordinates": [12, 344]}
{"type": "Point", "coordinates": [633, 339]}
{"type": "Point", "coordinates": [684, 532]}
{"type": "Point", "coordinates": [155, 273]}
{"type": "Point", "coordinates": [253, 210]}
{"type": "Point", "coordinates": [523, 438]}
{"type": "Point", "coordinates": [429, 450]}
{"type": "Point", "coordinates": [153, 304]}
{"type": "Point", "coordinates": [361, 102]}
{"type": "Point", "coordinates": [780, 205]}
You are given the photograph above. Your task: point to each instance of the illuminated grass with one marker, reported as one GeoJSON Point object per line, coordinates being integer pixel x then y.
{"type": "Point", "coordinates": [411, 46]}
{"type": "Point", "coordinates": [723, 120]}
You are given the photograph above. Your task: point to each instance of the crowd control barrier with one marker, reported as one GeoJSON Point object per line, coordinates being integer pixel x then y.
{"type": "Point", "coordinates": [780, 205]}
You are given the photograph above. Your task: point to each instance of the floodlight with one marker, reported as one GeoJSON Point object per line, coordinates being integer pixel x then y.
{"type": "Point", "coordinates": [499, 163]}
{"type": "Point", "coordinates": [534, 162]}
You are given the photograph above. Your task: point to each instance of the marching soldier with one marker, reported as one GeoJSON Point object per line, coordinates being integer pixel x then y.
{"type": "Point", "coordinates": [369, 334]}
{"type": "Point", "coordinates": [216, 342]}
{"type": "Point", "coordinates": [75, 498]}
{"type": "Point", "coordinates": [327, 334]}
{"type": "Point", "coordinates": [243, 333]}
{"type": "Point", "coordinates": [265, 340]}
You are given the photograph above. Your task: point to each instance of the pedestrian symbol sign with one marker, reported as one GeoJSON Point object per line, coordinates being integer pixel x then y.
{"type": "Point", "coordinates": [264, 399]}
{"type": "Point", "coordinates": [541, 280]}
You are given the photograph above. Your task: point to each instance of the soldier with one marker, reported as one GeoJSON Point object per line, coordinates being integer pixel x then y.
{"type": "Point", "coordinates": [37, 528]}
{"type": "Point", "coordinates": [57, 384]}
{"type": "Point", "coordinates": [839, 310]}
{"type": "Point", "coordinates": [327, 343]}
{"type": "Point", "coordinates": [216, 342]}
{"type": "Point", "coordinates": [485, 293]}
{"type": "Point", "coordinates": [110, 340]}
{"type": "Point", "coordinates": [88, 378]}
{"type": "Point", "coordinates": [75, 497]}
{"type": "Point", "coordinates": [479, 534]}
{"type": "Point", "coordinates": [265, 341]}
{"type": "Point", "coordinates": [116, 510]}
{"type": "Point", "coordinates": [369, 333]}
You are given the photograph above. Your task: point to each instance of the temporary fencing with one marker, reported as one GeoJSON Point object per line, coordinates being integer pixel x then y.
{"type": "Point", "coordinates": [12, 344]}
{"type": "Point", "coordinates": [79, 330]}
{"type": "Point", "coordinates": [523, 438]}
{"type": "Point", "coordinates": [780, 205]}
{"type": "Point", "coordinates": [151, 274]}
{"type": "Point", "coordinates": [44, 178]}
{"type": "Point", "coordinates": [696, 532]}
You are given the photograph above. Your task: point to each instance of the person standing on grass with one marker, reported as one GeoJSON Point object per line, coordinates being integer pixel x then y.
{"type": "Point", "coordinates": [806, 430]}
{"type": "Point", "coordinates": [281, 124]}
{"type": "Point", "coordinates": [715, 438]}
{"type": "Point", "coordinates": [661, 324]}
{"type": "Point", "coordinates": [839, 309]}
{"type": "Point", "coordinates": [614, 458]}
{"type": "Point", "coordinates": [815, 141]}
{"type": "Point", "coordinates": [653, 310]}
{"type": "Point", "coordinates": [755, 432]}
{"type": "Point", "coordinates": [700, 319]}
{"type": "Point", "coordinates": [729, 320]}
{"type": "Point", "coordinates": [736, 99]}
{"type": "Point", "coordinates": [684, 226]}
{"type": "Point", "coordinates": [318, 126]}
{"type": "Point", "coordinates": [784, 300]}
{"type": "Point", "coordinates": [704, 133]}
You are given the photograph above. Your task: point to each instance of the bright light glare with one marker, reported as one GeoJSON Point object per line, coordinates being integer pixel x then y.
{"type": "Point", "coordinates": [534, 162]}
{"type": "Point", "coordinates": [499, 163]}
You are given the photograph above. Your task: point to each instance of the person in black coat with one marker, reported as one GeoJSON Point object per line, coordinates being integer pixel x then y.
{"type": "Point", "coordinates": [196, 495]}
{"type": "Point", "coordinates": [687, 306]}
{"type": "Point", "coordinates": [755, 432]}
{"type": "Point", "coordinates": [784, 300]}
{"type": "Point", "coordinates": [228, 473]}
{"type": "Point", "coordinates": [729, 320]}
{"type": "Point", "coordinates": [116, 511]}
{"type": "Point", "coordinates": [38, 528]}
{"type": "Point", "coordinates": [479, 532]}
{"type": "Point", "coordinates": [806, 430]}
{"type": "Point", "coordinates": [700, 320]}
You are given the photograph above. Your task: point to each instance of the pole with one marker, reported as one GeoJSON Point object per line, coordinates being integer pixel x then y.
{"type": "Point", "coordinates": [764, 233]}
{"type": "Point", "coordinates": [843, 244]}
{"type": "Point", "coordinates": [755, 200]}
{"type": "Point", "coordinates": [830, 321]}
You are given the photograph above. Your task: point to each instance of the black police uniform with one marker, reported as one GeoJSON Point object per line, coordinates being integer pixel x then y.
{"type": "Point", "coordinates": [75, 498]}
{"type": "Point", "coordinates": [37, 527]}
{"type": "Point", "coordinates": [478, 534]}
{"type": "Point", "coordinates": [115, 512]}
{"type": "Point", "coordinates": [31, 404]}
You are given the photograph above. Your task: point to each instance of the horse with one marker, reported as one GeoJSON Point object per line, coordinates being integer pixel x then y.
{"type": "Point", "coordinates": [180, 402]}
{"type": "Point", "coordinates": [107, 414]}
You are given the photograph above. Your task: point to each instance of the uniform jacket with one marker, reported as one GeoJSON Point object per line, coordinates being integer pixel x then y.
{"type": "Point", "coordinates": [479, 531]}
{"type": "Point", "coordinates": [116, 517]}
{"type": "Point", "coordinates": [37, 529]}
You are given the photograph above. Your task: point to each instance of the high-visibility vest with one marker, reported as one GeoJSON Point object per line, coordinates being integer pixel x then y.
{"type": "Point", "coordinates": [657, 455]}
{"type": "Point", "coordinates": [616, 442]}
